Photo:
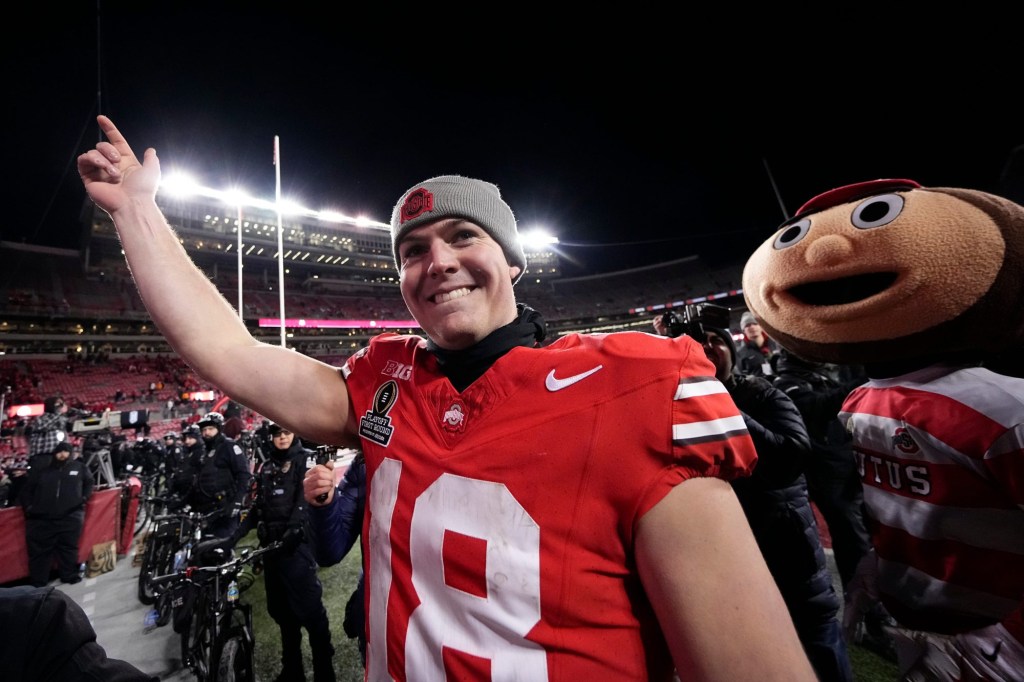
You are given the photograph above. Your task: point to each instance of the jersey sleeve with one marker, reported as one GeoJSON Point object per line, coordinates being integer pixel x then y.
{"type": "Point", "coordinates": [708, 436]}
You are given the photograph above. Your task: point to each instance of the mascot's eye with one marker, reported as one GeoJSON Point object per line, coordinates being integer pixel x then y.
{"type": "Point", "coordinates": [877, 211]}
{"type": "Point", "coordinates": [792, 234]}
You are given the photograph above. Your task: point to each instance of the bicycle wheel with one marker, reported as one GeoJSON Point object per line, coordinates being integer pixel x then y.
{"type": "Point", "coordinates": [197, 644]}
{"type": "Point", "coordinates": [141, 517]}
{"type": "Point", "coordinates": [236, 661]}
{"type": "Point", "coordinates": [146, 570]}
{"type": "Point", "coordinates": [163, 609]}
{"type": "Point", "coordinates": [158, 560]}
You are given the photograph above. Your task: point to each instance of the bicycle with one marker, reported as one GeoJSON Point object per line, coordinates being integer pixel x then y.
{"type": "Point", "coordinates": [217, 640]}
{"type": "Point", "coordinates": [169, 548]}
{"type": "Point", "coordinates": [150, 504]}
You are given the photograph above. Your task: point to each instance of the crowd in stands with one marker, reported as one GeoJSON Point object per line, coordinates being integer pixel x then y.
{"type": "Point", "coordinates": [106, 290]}
{"type": "Point", "coordinates": [162, 385]}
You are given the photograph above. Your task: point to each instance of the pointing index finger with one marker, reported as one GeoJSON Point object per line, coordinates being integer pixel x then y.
{"type": "Point", "coordinates": [114, 136]}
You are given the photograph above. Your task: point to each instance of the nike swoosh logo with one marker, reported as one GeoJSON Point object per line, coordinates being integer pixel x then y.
{"type": "Point", "coordinates": [553, 384]}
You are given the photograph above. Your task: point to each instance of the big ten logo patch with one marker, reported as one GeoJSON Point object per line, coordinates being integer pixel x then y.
{"type": "Point", "coordinates": [397, 370]}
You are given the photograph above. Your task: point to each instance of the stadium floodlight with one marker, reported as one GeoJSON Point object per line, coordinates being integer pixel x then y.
{"type": "Point", "coordinates": [329, 216]}
{"type": "Point", "coordinates": [236, 197]}
{"type": "Point", "coordinates": [363, 221]}
{"type": "Point", "coordinates": [290, 207]}
{"type": "Point", "coordinates": [181, 185]}
{"type": "Point", "coordinates": [537, 239]}
{"type": "Point", "coordinates": [332, 217]}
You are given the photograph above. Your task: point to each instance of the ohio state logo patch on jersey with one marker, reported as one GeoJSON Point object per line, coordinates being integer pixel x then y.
{"type": "Point", "coordinates": [376, 425]}
{"type": "Point", "coordinates": [454, 418]}
{"type": "Point", "coordinates": [902, 441]}
{"type": "Point", "coordinates": [418, 202]}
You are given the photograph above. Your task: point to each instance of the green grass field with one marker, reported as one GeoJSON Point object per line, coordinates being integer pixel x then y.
{"type": "Point", "coordinates": [340, 580]}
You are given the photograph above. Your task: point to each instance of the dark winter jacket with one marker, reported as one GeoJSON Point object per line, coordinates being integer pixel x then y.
{"type": "Point", "coordinates": [337, 526]}
{"type": "Point", "coordinates": [279, 505]}
{"type": "Point", "coordinates": [55, 489]}
{"type": "Point", "coordinates": [45, 635]}
{"type": "Point", "coordinates": [751, 359]}
{"type": "Point", "coordinates": [223, 476]}
{"type": "Point", "coordinates": [817, 395]}
{"type": "Point", "coordinates": [775, 499]}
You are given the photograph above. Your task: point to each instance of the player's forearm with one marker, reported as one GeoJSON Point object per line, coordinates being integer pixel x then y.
{"type": "Point", "coordinates": [191, 314]}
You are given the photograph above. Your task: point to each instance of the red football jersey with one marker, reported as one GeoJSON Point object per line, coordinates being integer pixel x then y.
{"type": "Point", "coordinates": [500, 523]}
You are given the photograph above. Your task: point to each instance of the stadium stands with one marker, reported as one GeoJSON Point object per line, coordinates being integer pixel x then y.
{"type": "Point", "coordinates": [72, 322]}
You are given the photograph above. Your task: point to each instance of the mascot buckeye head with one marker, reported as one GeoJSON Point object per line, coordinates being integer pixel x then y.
{"type": "Point", "coordinates": [888, 271]}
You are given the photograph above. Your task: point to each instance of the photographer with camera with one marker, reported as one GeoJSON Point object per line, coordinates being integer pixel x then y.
{"type": "Point", "coordinates": [294, 592]}
{"type": "Point", "coordinates": [774, 498]}
{"type": "Point", "coordinates": [49, 428]}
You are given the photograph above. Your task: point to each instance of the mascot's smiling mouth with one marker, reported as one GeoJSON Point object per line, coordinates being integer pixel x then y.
{"type": "Point", "coordinates": [843, 290]}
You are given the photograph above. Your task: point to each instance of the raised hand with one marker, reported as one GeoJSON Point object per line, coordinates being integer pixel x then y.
{"type": "Point", "coordinates": [318, 485]}
{"type": "Point", "coordinates": [112, 174]}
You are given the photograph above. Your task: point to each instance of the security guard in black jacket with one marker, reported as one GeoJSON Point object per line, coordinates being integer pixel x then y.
{"type": "Point", "coordinates": [222, 479]}
{"type": "Point", "coordinates": [294, 592]}
{"type": "Point", "coordinates": [185, 463]}
{"type": "Point", "coordinates": [54, 500]}
{"type": "Point", "coordinates": [174, 453]}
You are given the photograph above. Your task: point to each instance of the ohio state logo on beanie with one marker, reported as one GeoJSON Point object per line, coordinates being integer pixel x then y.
{"type": "Point", "coordinates": [418, 202]}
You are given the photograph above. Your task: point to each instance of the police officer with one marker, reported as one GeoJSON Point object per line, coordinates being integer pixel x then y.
{"type": "Point", "coordinates": [54, 500]}
{"type": "Point", "coordinates": [148, 460]}
{"type": "Point", "coordinates": [183, 460]}
{"type": "Point", "coordinates": [222, 478]}
{"type": "Point", "coordinates": [174, 456]}
{"type": "Point", "coordinates": [294, 592]}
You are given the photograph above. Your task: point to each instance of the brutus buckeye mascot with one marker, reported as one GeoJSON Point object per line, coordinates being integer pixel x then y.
{"type": "Point", "coordinates": [924, 287]}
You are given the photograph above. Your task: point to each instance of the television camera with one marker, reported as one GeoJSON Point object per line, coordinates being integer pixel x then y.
{"type": "Point", "coordinates": [690, 319]}
{"type": "Point", "coordinates": [89, 423]}
{"type": "Point", "coordinates": [98, 439]}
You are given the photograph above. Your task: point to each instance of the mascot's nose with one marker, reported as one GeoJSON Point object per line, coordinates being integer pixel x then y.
{"type": "Point", "coordinates": [829, 249]}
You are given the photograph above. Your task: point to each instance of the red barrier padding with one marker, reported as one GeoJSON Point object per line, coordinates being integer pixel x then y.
{"type": "Point", "coordinates": [102, 517]}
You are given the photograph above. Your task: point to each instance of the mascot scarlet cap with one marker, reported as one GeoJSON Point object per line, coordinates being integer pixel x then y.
{"type": "Point", "coordinates": [888, 270]}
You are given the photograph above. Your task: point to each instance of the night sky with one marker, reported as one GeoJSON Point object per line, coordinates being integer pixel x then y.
{"type": "Point", "coordinates": [635, 137]}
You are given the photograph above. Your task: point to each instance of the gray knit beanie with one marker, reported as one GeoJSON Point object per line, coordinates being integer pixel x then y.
{"type": "Point", "coordinates": [455, 196]}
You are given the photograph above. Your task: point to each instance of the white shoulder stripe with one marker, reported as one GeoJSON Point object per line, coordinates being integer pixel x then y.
{"type": "Point", "coordinates": [917, 589]}
{"type": "Point", "coordinates": [998, 397]}
{"type": "Point", "coordinates": [702, 432]}
{"type": "Point", "coordinates": [695, 387]}
{"type": "Point", "coordinates": [345, 371]}
{"type": "Point", "coordinates": [994, 529]}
